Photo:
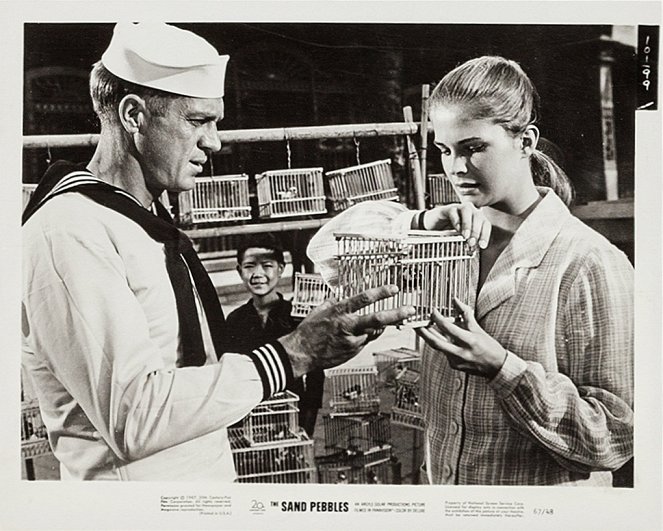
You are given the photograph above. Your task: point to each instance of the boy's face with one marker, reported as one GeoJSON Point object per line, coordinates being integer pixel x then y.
{"type": "Point", "coordinates": [260, 271]}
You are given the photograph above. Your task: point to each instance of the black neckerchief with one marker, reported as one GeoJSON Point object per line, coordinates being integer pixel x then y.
{"type": "Point", "coordinates": [63, 177]}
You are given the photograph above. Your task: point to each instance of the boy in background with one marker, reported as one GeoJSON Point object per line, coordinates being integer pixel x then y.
{"type": "Point", "coordinates": [266, 316]}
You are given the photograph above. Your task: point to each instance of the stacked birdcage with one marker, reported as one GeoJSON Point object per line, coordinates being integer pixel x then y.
{"type": "Point", "coordinates": [366, 468]}
{"type": "Point", "coordinates": [217, 198]}
{"type": "Point", "coordinates": [291, 192]}
{"type": "Point", "coordinates": [273, 420]}
{"type": "Point", "coordinates": [429, 267]}
{"type": "Point", "coordinates": [356, 433]}
{"type": "Point", "coordinates": [34, 437]}
{"type": "Point", "coordinates": [364, 182]}
{"type": "Point", "coordinates": [277, 462]}
{"type": "Point", "coordinates": [406, 410]}
{"type": "Point", "coordinates": [354, 390]}
{"type": "Point", "coordinates": [440, 190]}
{"type": "Point", "coordinates": [389, 363]}
{"type": "Point", "coordinates": [310, 291]}
{"type": "Point", "coordinates": [28, 190]}
{"type": "Point", "coordinates": [268, 446]}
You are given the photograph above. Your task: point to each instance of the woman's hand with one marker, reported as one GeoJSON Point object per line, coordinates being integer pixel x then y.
{"type": "Point", "coordinates": [466, 345]}
{"type": "Point", "coordinates": [467, 219]}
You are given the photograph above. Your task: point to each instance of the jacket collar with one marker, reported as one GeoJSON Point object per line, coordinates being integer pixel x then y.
{"type": "Point", "coordinates": [526, 249]}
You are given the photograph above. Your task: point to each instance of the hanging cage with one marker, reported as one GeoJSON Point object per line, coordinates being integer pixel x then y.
{"type": "Point", "coordinates": [354, 390]}
{"type": "Point", "coordinates": [292, 192]}
{"type": "Point", "coordinates": [310, 291]}
{"type": "Point", "coordinates": [440, 190]}
{"type": "Point", "coordinates": [429, 267]}
{"type": "Point", "coordinates": [278, 462]}
{"type": "Point", "coordinates": [216, 199]}
{"type": "Point", "coordinates": [364, 182]}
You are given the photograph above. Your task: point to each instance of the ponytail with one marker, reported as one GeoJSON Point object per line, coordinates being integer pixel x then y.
{"type": "Point", "coordinates": [546, 172]}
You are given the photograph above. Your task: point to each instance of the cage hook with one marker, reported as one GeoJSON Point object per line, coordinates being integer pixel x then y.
{"type": "Point", "coordinates": [49, 155]}
{"type": "Point", "coordinates": [356, 141]}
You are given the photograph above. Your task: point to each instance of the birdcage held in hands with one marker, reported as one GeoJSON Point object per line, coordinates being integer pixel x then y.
{"type": "Point", "coordinates": [216, 198]}
{"type": "Point", "coordinates": [359, 433]}
{"type": "Point", "coordinates": [310, 291]}
{"type": "Point", "coordinates": [354, 390]}
{"type": "Point", "coordinates": [364, 182]}
{"type": "Point", "coordinates": [290, 461]}
{"type": "Point", "coordinates": [440, 190]}
{"type": "Point", "coordinates": [429, 267]}
{"type": "Point", "coordinates": [291, 192]}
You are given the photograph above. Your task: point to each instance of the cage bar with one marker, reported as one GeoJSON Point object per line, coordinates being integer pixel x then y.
{"type": "Point", "coordinates": [273, 420]}
{"type": "Point", "coordinates": [354, 390]}
{"type": "Point", "coordinates": [364, 468]}
{"type": "Point", "coordinates": [429, 267]}
{"type": "Point", "coordinates": [364, 182]}
{"type": "Point", "coordinates": [391, 362]}
{"type": "Point", "coordinates": [356, 433]}
{"type": "Point", "coordinates": [406, 410]}
{"type": "Point", "coordinates": [440, 190]}
{"type": "Point", "coordinates": [310, 291]}
{"type": "Point", "coordinates": [292, 192]}
{"type": "Point", "coordinates": [34, 437]}
{"type": "Point", "coordinates": [279, 462]}
{"type": "Point", "coordinates": [216, 198]}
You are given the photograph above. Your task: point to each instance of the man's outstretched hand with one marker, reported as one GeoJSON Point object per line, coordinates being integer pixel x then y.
{"type": "Point", "coordinates": [332, 333]}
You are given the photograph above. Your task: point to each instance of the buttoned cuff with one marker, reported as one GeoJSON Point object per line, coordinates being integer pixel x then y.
{"type": "Point", "coordinates": [508, 377]}
{"type": "Point", "coordinates": [273, 365]}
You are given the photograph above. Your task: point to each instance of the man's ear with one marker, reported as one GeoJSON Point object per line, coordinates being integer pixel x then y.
{"type": "Point", "coordinates": [529, 139]}
{"type": "Point", "coordinates": [132, 112]}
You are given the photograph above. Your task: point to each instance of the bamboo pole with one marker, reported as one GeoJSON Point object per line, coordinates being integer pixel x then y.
{"type": "Point", "coordinates": [253, 228]}
{"type": "Point", "coordinates": [249, 135]}
{"type": "Point", "coordinates": [415, 166]}
{"type": "Point", "coordinates": [423, 130]}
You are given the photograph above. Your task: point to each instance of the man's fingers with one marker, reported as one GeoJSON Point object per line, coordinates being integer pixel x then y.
{"type": "Point", "coordinates": [356, 302]}
{"type": "Point", "coordinates": [381, 319]}
{"type": "Point", "coordinates": [446, 326]}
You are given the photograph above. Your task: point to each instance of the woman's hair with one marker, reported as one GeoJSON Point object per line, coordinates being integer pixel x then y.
{"type": "Point", "coordinates": [498, 89]}
{"type": "Point", "coordinates": [107, 90]}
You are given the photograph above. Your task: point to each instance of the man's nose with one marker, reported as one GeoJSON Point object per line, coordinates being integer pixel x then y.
{"type": "Point", "coordinates": [210, 139]}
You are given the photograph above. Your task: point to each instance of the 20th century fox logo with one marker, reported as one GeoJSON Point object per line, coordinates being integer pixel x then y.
{"type": "Point", "coordinates": [313, 506]}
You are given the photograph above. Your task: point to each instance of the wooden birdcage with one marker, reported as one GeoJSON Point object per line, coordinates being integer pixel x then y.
{"type": "Point", "coordinates": [292, 192]}
{"type": "Point", "coordinates": [34, 437]}
{"type": "Point", "coordinates": [310, 291]}
{"type": "Point", "coordinates": [216, 199]}
{"type": "Point", "coordinates": [278, 462]}
{"type": "Point", "coordinates": [28, 190]}
{"type": "Point", "coordinates": [364, 182]}
{"type": "Point", "coordinates": [391, 362]}
{"type": "Point", "coordinates": [364, 468]}
{"type": "Point", "coordinates": [354, 390]}
{"type": "Point", "coordinates": [273, 420]}
{"type": "Point", "coordinates": [406, 410]}
{"type": "Point", "coordinates": [440, 190]}
{"type": "Point", "coordinates": [429, 267]}
{"type": "Point", "coordinates": [356, 433]}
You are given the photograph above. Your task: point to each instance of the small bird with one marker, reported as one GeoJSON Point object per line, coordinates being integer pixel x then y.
{"type": "Point", "coordinates": [352, 393]}
{"type": "Point", "coordinates": [290, 193]}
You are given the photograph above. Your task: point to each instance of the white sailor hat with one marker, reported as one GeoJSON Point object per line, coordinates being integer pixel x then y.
{"type": "Point", "coordinates": [164, 57]}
